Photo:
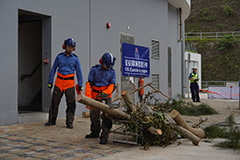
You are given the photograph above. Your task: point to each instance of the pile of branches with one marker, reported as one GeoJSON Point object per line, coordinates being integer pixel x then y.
{"type": "Point", "coordinates": [155, 128]}
{"type": "Point", "coordinates": [146, 128]}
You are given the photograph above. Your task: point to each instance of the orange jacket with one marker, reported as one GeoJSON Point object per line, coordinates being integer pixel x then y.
{"type": "Point", "coordinates": [93, 92]}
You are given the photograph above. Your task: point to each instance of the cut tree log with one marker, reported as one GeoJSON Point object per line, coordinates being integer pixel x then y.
{"type": "Point", "coordinates": [195, 140]}
{"type": "Point", "coordinates": [114, 113]}
{"type": "Point", "coordinates": [86, 114]}
{"type": "Point", "coordinates": [155, 131]}
{"type": "Point", "coordinates": [128, 101]}
{"type": "Point", "coordinates": [176, 116]}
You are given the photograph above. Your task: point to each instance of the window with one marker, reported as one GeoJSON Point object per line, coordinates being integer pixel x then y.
{"type": "Point", "coordinates": [155, 81]}
{"type": "Point", "coordinates": [155, 49]}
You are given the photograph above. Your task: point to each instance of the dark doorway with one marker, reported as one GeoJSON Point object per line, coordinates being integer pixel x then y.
{"type": "Point", "coordinates": [31, 69]}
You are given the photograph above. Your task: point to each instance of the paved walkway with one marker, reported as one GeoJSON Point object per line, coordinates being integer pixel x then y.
{"type": "Point", "coordinates": [36, 141]}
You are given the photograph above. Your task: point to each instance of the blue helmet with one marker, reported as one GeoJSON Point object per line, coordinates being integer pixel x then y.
{"type": "Point", "coordinates": [108, 59]}
{"type": "Point", "coordinates": [70, 42]}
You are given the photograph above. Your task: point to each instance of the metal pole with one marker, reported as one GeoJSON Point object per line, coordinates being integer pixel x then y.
{"type": "Point", "coordinates": [183, 63]}
{"type": "Point", "coordinates": [188, 66]}
{"type": "Point", "coordinates": [239, 87]}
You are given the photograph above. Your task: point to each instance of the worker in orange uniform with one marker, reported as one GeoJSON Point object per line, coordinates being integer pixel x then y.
{"type": "Point", "coordinates": [100, 85]}
{"type": "Point", "coordinates": [67, 63]}
{"type": "Point", "coordinates": [141, 91]}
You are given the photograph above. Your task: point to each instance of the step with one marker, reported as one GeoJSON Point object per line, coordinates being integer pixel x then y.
{"type": "Point", "coordinates": [26, 117]}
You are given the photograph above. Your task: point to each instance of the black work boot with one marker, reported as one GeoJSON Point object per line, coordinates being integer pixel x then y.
{"type": "Point", "coordinates": [70, 126]}
{"type": "Point", "coordinates": [92, 135]}
{"type": "Point", "coordinates": [103, 141]}
{"type": "Point", "coordinates": [52, 122]}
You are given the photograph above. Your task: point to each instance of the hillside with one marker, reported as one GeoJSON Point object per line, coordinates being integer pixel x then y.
{"type": "Point", "coordinates": [213, 16]}
{"type": "Point", "coordinates": [220, 57]}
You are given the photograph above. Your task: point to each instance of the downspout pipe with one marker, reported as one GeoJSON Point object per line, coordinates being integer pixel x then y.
{"type": "Point", "coordinates": [183, 61]}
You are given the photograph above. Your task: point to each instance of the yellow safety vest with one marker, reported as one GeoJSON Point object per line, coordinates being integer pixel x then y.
{"type": "Point", "coordinates": [194, 77]}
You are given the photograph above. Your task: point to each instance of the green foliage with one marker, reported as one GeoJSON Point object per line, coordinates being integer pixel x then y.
{"type": "Point", "coordinates": [226, 42]}
{"type": "Point", "coordinates": [184, 107]}
{"type": "Point", "coordinates": [233, 139]}
{"type": "Point", "coordinates": [220, 26]}
{"type": "Point", "coordinates": [215, 132]}
{"type": "Point", "coordinates": [191, 18]}
{"type": "Point", "coordinates": [216, 62]}
{"type": "Point", "coordinates": [228, 10]}
{"type": "Point", "coordinates": [232, 134]}
{"type": "Point", "coordinates": [230, 120]}
{"type": "Point", "coordinates": [141, 123]}
{"type": "Point", "coordinates": [204, 12]}
{"type": "Point", "coordinates": [188, 108]}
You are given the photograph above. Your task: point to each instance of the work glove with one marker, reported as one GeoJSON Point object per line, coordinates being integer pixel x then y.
{"type": "Point", "coordinates": [104, 95]}
{"type": "Point", "coordinates": [80, 88]}
{"type": "Point", "coordinates": [50, 85]}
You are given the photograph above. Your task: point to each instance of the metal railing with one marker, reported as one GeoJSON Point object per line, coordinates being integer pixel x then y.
{"type": "Point", "coordinates": [216, 35]}
{"type": "Point", "coordinates": [30, 75]}
{"type": "Point", "coordinates": [206, 84]}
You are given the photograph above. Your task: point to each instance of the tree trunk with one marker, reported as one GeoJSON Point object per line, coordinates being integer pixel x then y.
{"type": "Point", "coordinates": [195, 140]}
{"type": "Point", "coordinates": [86, 114]}
{"type": "Point", "coordinates": [116, 114]}
{"type": "Point", "coordinates": [176, 116]}
{"type": "Point", "coordinates": [128, 101]}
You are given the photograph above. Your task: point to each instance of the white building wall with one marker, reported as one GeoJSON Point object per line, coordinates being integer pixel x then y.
{"type": "Point", "coordinates": [85, 21]}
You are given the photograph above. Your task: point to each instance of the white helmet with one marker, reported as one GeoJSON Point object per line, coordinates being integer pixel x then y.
{"type": "Point", "coordinates": [195, 67]}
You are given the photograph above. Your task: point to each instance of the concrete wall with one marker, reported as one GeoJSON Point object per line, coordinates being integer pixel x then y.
{"type": "Point", "coordinates": [173, 37]}
{"type": "Point", "coordinates": [146, 20]}
{"type": "Point", "coordinates": [9, 62]}
{"type": "Point", "coordinates": [85, 21]}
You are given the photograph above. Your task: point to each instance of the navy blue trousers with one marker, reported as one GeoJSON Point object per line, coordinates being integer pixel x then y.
{"type": "Point", "coordinates": [195, 91]}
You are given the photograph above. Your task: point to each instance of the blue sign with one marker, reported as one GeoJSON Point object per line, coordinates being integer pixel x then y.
{"type": "Point", "coordinates": [135, 60]}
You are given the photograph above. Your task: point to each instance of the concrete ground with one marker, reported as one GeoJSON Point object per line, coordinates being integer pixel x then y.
{"type": "Point", "coordinates": [36, 141]}
{"type": "Point", "coordinates": [185, 151]}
